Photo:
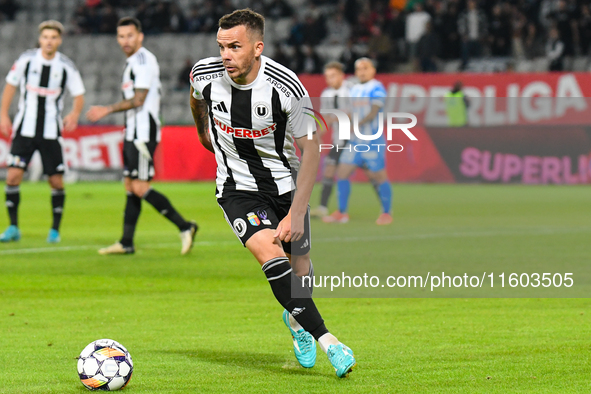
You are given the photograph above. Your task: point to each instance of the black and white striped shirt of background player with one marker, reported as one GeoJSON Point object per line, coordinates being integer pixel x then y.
{"type": "Point", "coordinates": [42, 85]}
{"type": "Point", "coordinates": [142, 72]}
{"type": "Point", "coordinates": [253, 127]}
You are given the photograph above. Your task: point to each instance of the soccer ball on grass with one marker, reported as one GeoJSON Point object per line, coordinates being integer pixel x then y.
{"type": "Point", "coordinates": [105, 365]}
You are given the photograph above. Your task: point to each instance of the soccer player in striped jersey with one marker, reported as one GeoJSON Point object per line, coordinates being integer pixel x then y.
{"type": "Point", "coordinates": [368, 98]}
{"type": "Point", "coordinates": [43, 76]}
{"type": "Point", "coordinates": [248, 110]}
{"type": "Point", "coordinates": [141, 104]}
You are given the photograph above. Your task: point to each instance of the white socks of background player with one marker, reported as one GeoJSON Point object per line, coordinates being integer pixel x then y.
{"type": "Point", "coordinates": [324, 341]}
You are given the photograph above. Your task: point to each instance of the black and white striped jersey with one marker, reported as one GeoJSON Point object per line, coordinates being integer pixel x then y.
{"type": "Point", "coordinates": [42, 86]}
{"type": "Point", "coordinates": [340, 99]}
{"type": "Point", "coordinates": [253, 127]}
{"type": "Point", "coordinates": [142, 72]}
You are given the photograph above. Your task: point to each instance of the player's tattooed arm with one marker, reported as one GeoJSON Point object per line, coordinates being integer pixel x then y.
{"type": "Point", "coordinates": [136, 101]}
{"type": "Point", "coordinates": [98, 112]}
{"type": "Point", "coordinates": [200, 116]}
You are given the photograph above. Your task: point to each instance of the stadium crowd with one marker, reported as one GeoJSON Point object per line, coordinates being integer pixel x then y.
{"type": "Point", "coordinates": [421, 32]}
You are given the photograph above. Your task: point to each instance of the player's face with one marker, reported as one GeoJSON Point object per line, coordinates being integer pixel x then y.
{"type": "Point", "coordinates": [130, 39]}
{"type": "Point", "coordinates": [334, 78]}
{"type": "Point", "coordinates": [49, 41]}
{"type": "Point", "coordinates": [239, 50]}
{"type": "Point", "coordinates": [364, 71]}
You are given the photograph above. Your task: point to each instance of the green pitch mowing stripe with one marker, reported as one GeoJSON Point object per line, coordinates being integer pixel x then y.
{"type": "Point", "coordinates": [208, 323]}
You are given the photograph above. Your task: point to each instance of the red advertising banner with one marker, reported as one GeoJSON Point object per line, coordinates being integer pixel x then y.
{"type": "Point", "coordinates": [504, 147]}
{"type": "Point", "coordinates": [179, 156]}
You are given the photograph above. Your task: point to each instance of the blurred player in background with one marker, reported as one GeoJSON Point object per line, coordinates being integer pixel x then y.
{"type": "Point", "coordinates": [367, 100]}
{"type": "Point", "coordinates": [249, 111]}
{"type": "Point", "coordinates": [43, 75]}
{"type": "Point", "coordinates": [335, 96]}
{"type": "Point", "coordinates": [141, 91]}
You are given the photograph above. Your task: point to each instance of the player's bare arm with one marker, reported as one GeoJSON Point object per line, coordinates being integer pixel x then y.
{"type": "Point", "coordinates": [98, 112]}
{"type": "Point", "coordinates": [71, 120]}
{"type": "Point", "coordinates": [200, 116]}
{"type": "Point", "coordinates": [291, 228]}
{"type": "Point", "coordinates": [5, 121]}
{"type": "Point", "coordinates": [371, 115]}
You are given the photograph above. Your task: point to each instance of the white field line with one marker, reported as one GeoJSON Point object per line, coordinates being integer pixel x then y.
{"type": "Point", "coordinates": [401, 237]}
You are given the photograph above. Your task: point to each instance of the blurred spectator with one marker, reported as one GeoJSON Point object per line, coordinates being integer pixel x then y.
{"type": "Point", "coordinates": [144, 15]}
{"type": "Point", "coordinates": [338, 30]}
{"type": "Point", "coordinates": [396, 29]}
{"type": "Point", "coordinates": [564, 20]}
{"type": "Point", "coordinates": [177, 23]}
{"type": "Point", "coordinates": [8, 9]}
{"type": "Point", "coordinates": [416, 23]}
{"type": "Point", "coordinates": [472, 26]}
{"type": "Point", "coordinates": [428, 49]}
{"type": "Point", "coordinates": [193, 21]}
{"type": "Point", "coordinates": [279, 56]}
{"type": "Point", "coordinates": [314, 29]}
{"type": "Point", "coordinates": [361, 30]}
{"type": "Point", "coordinates": [208, 18]}
{"type": "Point", "coordinates": [159, 19]}
{"type": "Point", "coordinates": [450, 36]}
{"type": "Point", "coordinates": [379, 48]}
{"type": "Point", "coordinates": [109, 20]}
{"type": "Point", "coordinates": [555, 50]}
{"type": "Point", "coordinates": [92, 20]}
{"type": "Point", "coordinates": [349, 56]}
{"type": "Point", "coordinates": [182, 82]}
{"type": "Point", "coordinates": [584, 26]}
{"type": "Point", "coordinates": [278, 9]}
{"type": "Point", "coordinates": [351, 10]}
{"type": "Point", "coordinates": [500, 32]}
{"type": "Point", "coordinates": [308, 61]}
{"type": "Point", "coordinates": [296, 34]}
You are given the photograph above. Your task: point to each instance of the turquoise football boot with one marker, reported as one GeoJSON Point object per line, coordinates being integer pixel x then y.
{"type": "Point", "coordinates": [341, 358]}
{"type": "Point", "coordinates": [12, 233]}
{"type": "Point", "coordinates": [53, 237]}
{"type": "Point", "coordinates": [304, 345]}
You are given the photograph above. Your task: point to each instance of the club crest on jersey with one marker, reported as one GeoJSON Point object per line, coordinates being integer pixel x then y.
{"type": "Point", "coordinates": [244, 133]}
{"type": "Point", "coordinates": [261, 110]}
{"type": "Point", "coordinates": [239, 227]}
{"type": "Point", "coordinates": [253, 219]}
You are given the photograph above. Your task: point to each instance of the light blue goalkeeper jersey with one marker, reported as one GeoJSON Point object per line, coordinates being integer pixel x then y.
{"type": "Point", "coordinates": [363, 96]}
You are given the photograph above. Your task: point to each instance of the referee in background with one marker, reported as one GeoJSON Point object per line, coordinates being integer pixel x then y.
{"type": "Point", "coordinates": [43, 75]}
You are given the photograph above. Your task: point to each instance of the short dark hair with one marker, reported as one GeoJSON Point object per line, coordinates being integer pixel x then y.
{"type": "Point", "coordinates": [253, 21]}
{"type": "Point", "coordinates": [129, 21]}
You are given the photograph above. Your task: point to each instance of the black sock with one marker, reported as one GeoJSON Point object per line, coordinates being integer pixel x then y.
{"type": "Point", "coordinates": [133, 207]}
{"type": "Point", "coordinates": [13, 197]}
{"type": "Point", "coordinates": [327, 184]}
{"type": "Point", "coordinates": [58, 197]}
{"type": "Point", "coordinates": [162, 205]}
{"type": "Point", "coordinates": [281, 278]}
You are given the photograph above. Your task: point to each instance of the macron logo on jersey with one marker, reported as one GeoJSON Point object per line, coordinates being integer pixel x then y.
{"type": "Point", "coordinates": [245, 133]}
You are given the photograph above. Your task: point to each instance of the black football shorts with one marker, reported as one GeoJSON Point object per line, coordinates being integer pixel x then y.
{"type": "Point", "coordinates": [22, 149]}
{"type": "Point", "coordinates": [248, 212]}
{"type": "Point", "coordinates": [139, 164]}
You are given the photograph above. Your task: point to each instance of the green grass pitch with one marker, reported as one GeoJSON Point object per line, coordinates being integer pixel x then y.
{"type": "Point", "coordinates": [208, 323]}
